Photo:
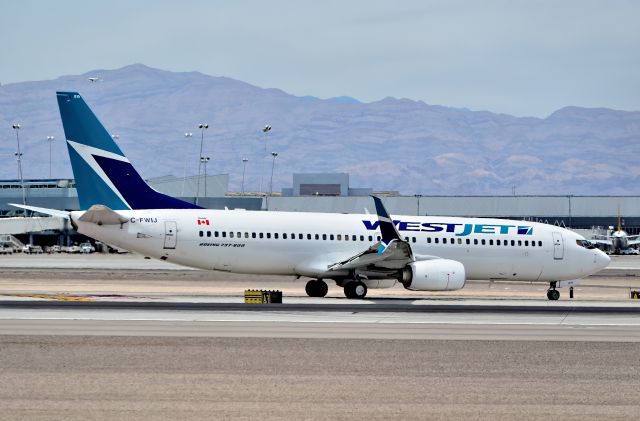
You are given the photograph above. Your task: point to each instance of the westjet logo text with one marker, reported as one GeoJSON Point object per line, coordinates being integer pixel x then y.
{"type": "Point", "coordinates": [459, 230]}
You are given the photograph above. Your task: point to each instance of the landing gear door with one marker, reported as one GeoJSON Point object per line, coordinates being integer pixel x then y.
{"type": "Point", "coordinates": [558, 246]}
{"type": "Point", "coordinates": [170, 234]}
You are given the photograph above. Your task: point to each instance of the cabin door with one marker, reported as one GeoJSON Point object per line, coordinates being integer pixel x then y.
{"type": "Point", "coordinates": [558, 246]}
{"type": "Point", "coordinates": [170, 234]}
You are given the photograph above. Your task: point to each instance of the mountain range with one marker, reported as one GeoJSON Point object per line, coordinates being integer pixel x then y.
{"type": "Point", "coordinates": [391, 144]}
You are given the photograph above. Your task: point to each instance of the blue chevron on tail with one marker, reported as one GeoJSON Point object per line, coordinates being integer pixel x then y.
{"type": "Point", "coordinates": [103, 174]}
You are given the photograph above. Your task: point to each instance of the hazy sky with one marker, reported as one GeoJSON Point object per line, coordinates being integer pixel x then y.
{"type": "Point", "coordinates": [518, 57]}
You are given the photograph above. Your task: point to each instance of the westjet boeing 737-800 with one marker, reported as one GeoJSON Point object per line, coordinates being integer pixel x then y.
{"type": "Point", "coordinates": [429, 253]}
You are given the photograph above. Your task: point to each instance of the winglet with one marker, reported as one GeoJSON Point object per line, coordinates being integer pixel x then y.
{"type": "Point", "coordinates": [387, 229]}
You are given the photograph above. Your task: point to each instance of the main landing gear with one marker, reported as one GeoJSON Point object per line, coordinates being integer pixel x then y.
{"type": "Point", "coordinates": [316, 288]}
{"type": "Point", "coordinates": [355, 289]}
{"type": "Point", "coordinates": [552, 293]}
{"type": "Point", "coordinates": [352, 289]}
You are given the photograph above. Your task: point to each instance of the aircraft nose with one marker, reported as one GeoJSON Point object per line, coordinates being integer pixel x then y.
{"type": "Point", "coordinates": [601, 259]}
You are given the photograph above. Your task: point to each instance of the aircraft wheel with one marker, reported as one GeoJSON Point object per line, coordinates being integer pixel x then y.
{"type": "Point", "coordinates": [316, 288]}
{"type": "Point", "coordinates": [554, 294]}
{"type": "Point", "coordinates": [355, 290]}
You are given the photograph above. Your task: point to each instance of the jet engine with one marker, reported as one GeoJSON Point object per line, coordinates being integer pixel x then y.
{"type": "Point", "coordinates": [434, 275]}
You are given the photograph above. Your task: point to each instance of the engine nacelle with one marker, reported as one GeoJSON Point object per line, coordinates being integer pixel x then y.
{"type": "Point", "coordinates": [434, 275]}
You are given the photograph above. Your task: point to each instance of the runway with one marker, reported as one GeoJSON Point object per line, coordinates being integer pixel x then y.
{"type": "Point", "coordinates": [395, 320]}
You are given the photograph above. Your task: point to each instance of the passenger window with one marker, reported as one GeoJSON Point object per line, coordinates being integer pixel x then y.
{"type": "Point", "coordinates": [324, 236]}
{"type": "Point", "coordinates": [208, 233]}
{"type": "Point", "coordinates": [317, 237]}
{"type": "Point", "coordinates": [239, 235]}
{"type": "Point", "coordinates": [354, 238]}
{"type": "Point", "coordinates": [379, 238]}
{"type": "Point", "coordinates": [268, 235]}
{"type": "Point", "coordinates": [483, 242]}
{"type": "Point", "coordinates": [261, 235]}
{"type": "Point", "coordinates": [216, 234]}
{"type": "Point", "coordinates": [275, 235]}
{"type": "Point", "coordinates": [231, 234]}
{"type": "Point", "coordinates": [370, 239]}
{"type": "Point", "coordinates": [526, 242]}
{"type": "Point", "coordinates": [308, 236]}
{"type": "Point", "coordinates": [201, 233]}
{"type": "Point", "coordinates": [539, 243]}
{"type": "Point", "coordinates": [339, 237]}
{"type": "Point", "coordinates": [497, 242]}
{"type": "Point", "coordinates": [475, 241]}
{"type": "Point", "coordinates": [513, 243]}
{"type": "Point", "coordinates": [293, 236]}
{"type": "Point", "coordinates": [428, 240]}
{"type": "Point", "coordinates": [253, 235]}
{"type": "Point", "coordinates": [519, 243]}
{"type": "Point", "coordinates": [301, 236]}
{"type": "Point", "coordinates": [459, 240]}
{"type": "Point", "coordinates": [362, 238]}
{"type": "Point", "coordinates": [331, 237]}
{"type": "Point", "coordinates": [436, 240]}
{"type": "Point", "coordinates": [413, 239]}
{"type": "Point", "coordinates": [468, 241]}
{"type": "Point", "coordinates": [490, 242]}
{"type": "Point", "coordinates": [533, 244]}
{"type": "Point", "coordinates": [224, 234]}
{"type": "Point", "coordinates": [452, 240]}
{"type": "Point", "coordinates": [284, 236]}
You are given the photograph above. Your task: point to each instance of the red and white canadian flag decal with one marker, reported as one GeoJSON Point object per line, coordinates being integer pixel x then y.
{"type": "Point", "coordinates": [203, 221]}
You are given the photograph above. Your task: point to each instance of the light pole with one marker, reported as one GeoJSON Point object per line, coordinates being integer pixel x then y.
{"type": "Point", "coordinates": [50, 139]}
{"type": "Point", "coordinates": [202, 127]}
{"type": "Point", "coordinates": [205, 160]}
{"type": "Point", "coordinates": [266, 129]}
{"type": "Point", "coordinates": [273, 165]}
{"type": "Point", "coordinates": [418, 196]}
{"type": "Point", "coordinates": [244, 169]}
{"type": "Point", "coordinates": [18, 155]}
{"type": "Point", "coordinates": [187, 136]}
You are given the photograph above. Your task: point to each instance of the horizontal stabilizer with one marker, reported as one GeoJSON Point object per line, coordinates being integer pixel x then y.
{"type": "Point", "coordinates": [102, 215]}
{"type": "Point", "coordinates": [44, 211]}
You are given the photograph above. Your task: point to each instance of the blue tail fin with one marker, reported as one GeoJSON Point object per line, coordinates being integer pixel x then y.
{"type": "Point", "coordinates": [102, 172]}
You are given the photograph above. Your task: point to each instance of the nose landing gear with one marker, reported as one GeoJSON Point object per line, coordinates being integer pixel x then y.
{"type": "Point", "coordinates": [552, 293]}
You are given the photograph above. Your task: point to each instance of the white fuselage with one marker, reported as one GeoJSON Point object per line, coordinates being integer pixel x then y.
{"type": "Point", "coordinates": [306, 244]}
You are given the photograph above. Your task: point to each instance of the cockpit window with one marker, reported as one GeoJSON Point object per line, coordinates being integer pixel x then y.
{"type": "Point", "coordinates": [586, 244]}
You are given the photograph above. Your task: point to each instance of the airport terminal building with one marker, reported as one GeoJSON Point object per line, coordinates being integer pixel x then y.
{"type": "Point", "coordinates": [331, 193]}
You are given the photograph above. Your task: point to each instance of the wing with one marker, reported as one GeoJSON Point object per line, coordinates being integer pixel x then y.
{"type": "Point", "coordinates": [391, 252]}
{"type": "Point", "coordinates": [633, 240]}
{"type": "Point", "coordinates": [600, 241]}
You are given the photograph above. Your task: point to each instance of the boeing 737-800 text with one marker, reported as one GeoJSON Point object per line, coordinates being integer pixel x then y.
{"type": "Point", "coordinates": [358, 252]}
